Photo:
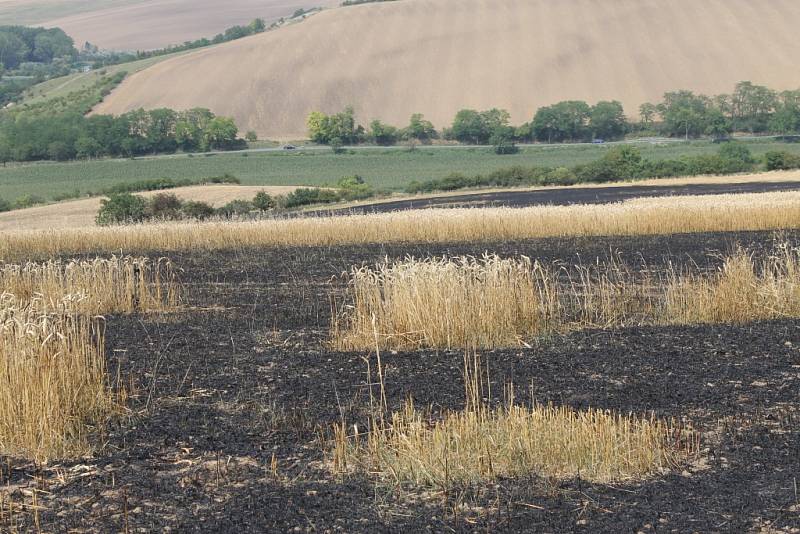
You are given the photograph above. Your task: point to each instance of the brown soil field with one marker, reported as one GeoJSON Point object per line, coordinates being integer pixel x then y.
{"type": "Point", "coordinates": [81, 213]}
{"type": "Point", "coordinates": [146, 24]}
{"type": "Point", "coordinates": [392, 59]}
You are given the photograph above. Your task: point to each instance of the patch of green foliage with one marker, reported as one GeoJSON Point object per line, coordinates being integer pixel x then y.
{"type": "Point", "coordinates": [620, 163]}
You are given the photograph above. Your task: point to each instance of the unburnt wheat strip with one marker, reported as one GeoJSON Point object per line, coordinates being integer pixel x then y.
{"type": "Point", "coordinates": [53, 390]}
{"type": "Point", "coordinates": [494, 302]}
{"type": "Point", "coordinates": [116, 285]}
{"type": "Point", "coordinates": [759, 211]}
{"type": "Point", "coordinates": [480, 444]}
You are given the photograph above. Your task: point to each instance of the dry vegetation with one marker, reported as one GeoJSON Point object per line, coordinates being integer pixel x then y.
{"type": "Point", "coordinates": [513, 54]}
{"type": "Point", "coordinates": [481, 444]}
{"type": "Point", "coordinates": [53, 386]}
{"type": "Point", "coordinates": [116, 285]}
{"type": "Point", "coordinates": [760, 211]}
{"type": "Point", "coordinates": [54, 391]}
{"type": "Point", "coordinates": [494, 302]}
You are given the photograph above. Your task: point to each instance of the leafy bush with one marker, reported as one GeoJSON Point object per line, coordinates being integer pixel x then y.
{"type": "Point", "coordinates": [263, 201]}
{"type": "Point", "coordinates": [306, 196]}
{"type": "Point", "coordinates": [235, 208]}
{"type": "Point", "coordinates": [165, 206]}
{"type": "Point", "coordinates": [619, 163]}
{"type": "Point", "coordinates": [197, 210]}
{"type": "Point", "coordinates": [224, 179]}
{"type": "Point", "coordinates": [28, 201]}
{"type": "Point", "coordinates": [121, 208]}
{"type": "Point", "coordinates": [5, 205]}
{"type": "Point", "coordinates": [354, 188]}
{"type": "Point", "coordinates": [781, 161]}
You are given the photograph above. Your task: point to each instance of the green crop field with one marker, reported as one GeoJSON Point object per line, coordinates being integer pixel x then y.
{"type": "Point", "coordinates": [389, 169]}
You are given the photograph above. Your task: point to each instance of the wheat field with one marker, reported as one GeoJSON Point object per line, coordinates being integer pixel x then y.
{"type": "Point", "coordinates": [392, 59]}
{"type": "Point", "coordinates": [758, 211]}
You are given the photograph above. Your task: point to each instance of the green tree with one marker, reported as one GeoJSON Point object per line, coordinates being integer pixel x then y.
{"type": "Point", "coordinates": [420, 129]}
{"type": "Point", "coordinates": [59, 151]}
{"type": "Point", "coordinates": [87, 147]}
{"type": "Point", "coordinates": [565, 121]}
{"type": "Point", "coordinates": [383, 134]}
{"type": "Point", "coordinates": [468, 127]}
{"type": "Point", "coordinates": [220, 133]}
{"type": "Point", "coordinates": [473, 127]}
{"type": "Point", "coordinates": [251, 136]}
{"type": "Point", "coordinates": [684, 114]}
{"type": "Point", "coordinates": [607, 120]}
{"type": "Point", "coordinates": [502, 139]}
{"type": "Point", "coordinates": [257, 25]}
{"type": "Point", "coordinates": [647, 114]}
{"type": "Point", "coordinates": [718, 125]}
{"type": "Point", "coordinates": [5, 152]}
{"type": "Point", "coordinates": [786, 120]}
{"type": "Point", "coordinates": [13, 50]}
{"type": "Point", "coordinates": [324, 129]}
{"type": "Point", "coordinates": [160, 130]}
{"type": "Point", "coordinates": [751, 107]}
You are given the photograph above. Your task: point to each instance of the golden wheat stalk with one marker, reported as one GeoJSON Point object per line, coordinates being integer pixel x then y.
{"type": "Point", "coordinates": [757, 211]}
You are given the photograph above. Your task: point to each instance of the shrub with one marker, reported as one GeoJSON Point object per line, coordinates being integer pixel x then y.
{"type": "Point", "coordinates": [263, 201]}
{"type": "Point", "coordinates": [28, 201]}
{"type": "Point", "coordinates": [736, 152]}
{"type": "Point", "coordinates": [354, 188]}
{"type": "Point", "coordinates": [560, 176]}
{"type": "Point", "coordinates": [619, 163]}
{"type": "Point", "coordinates": [197, 210]}
{"type": "Point", "coordinates": [164, 206]}
{"type": "Point", "coordinates": [305, 197]}
{"type": "Point", "coordinates": [224, 179]}
{"type": "Point", "coordinates": [75, 193]}
{"type": "Point", "coordinates": [5, 205]}
{"type": "Point", "coordinates": [121, 208]}
{"type": "Point", "coordinates": [781, 161]}
{"type": "Point", "coordinates": [236, 208]}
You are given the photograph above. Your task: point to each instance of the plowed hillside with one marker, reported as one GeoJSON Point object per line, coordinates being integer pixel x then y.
{"type": "Point", "coordinates": [145, 24]}
{"type": "Point", "coordinates": [391, 59]}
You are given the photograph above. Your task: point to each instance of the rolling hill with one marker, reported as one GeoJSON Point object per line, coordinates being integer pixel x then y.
{"type": "Point", "coordinates": [145, 24]}
{"type": "Point", "coordinates": [392, 59]}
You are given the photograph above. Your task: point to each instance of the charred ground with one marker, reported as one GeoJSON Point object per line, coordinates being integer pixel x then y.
{"type": "Point", "coordinates": [233, 395]}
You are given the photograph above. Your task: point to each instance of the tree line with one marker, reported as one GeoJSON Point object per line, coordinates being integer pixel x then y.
{"type": "Point", "coordinates": [71, 135]}
{"type": "Point", "coordinates": [750, 108]}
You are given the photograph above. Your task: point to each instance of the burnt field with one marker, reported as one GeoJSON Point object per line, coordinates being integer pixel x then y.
{"type": "Point", "coordinates": [233, 397]}
{"type": "Point", "coordinates": [569, 196]}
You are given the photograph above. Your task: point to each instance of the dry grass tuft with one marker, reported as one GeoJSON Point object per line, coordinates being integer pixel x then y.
{"type": "Point", "coordinates": [742, 291]}
{"type": "Point", "coordinates": [53, 390]}
{"type": "Point", "coordinates": [762, 211]}
{"type": "Point", "coordinates": [444, 303]}
{"type": "Point", "coordinates": [496, 302]}
{"type": "Point", "coordinates": [116, 285]}
{"type": "Point", "coordinates": [480, 444]}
